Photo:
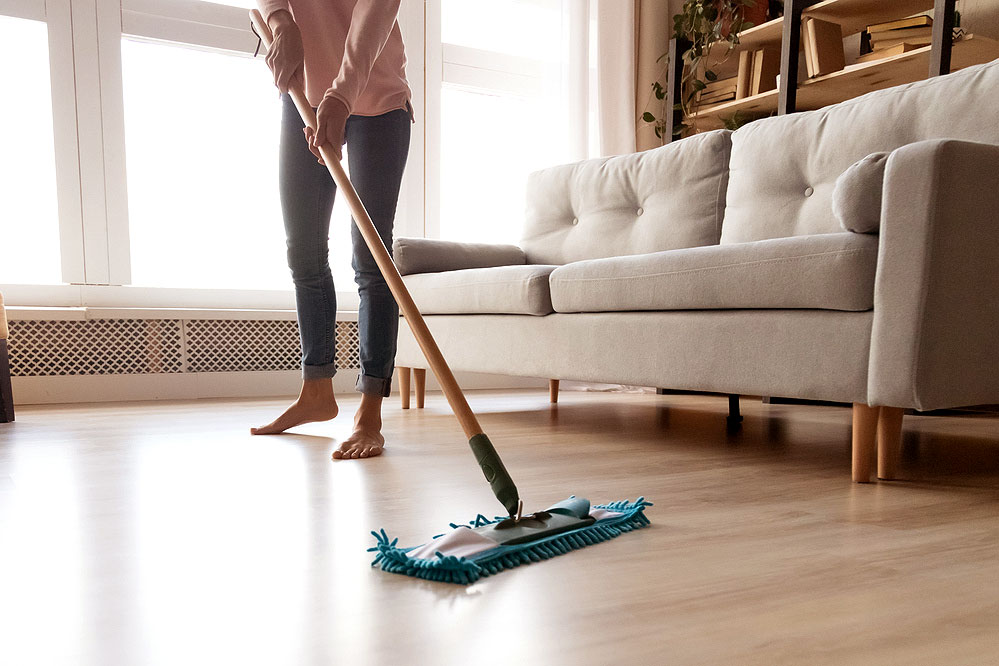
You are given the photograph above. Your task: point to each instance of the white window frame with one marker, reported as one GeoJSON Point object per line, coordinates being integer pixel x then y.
{"type": "Point", "coordinates": [89, 136]}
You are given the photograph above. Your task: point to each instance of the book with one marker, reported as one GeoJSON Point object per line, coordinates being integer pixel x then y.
{"type": "Point", "coordinates": [824, 52]}
{"type": "Point", "coordinates": [880, 46]}
{"type": "Point", "coordinates": [721, 90]}
{"type": "Point", "coordinates": [718, 99]}
{"type": "Point", "coordinates": [721, 85]}
{"type": "Point", "coordinates": [809, 61]}
{"type": "Point", "coordinates": [894, 35]}
{"type": "Point", "coordinates": [745, 77]}
{"type": "Point", "coordinates": [881, 54]}
{"type": "Point", "coordinates": [911, 22]}
{"type": "Point", "coordinates": [766, 68]}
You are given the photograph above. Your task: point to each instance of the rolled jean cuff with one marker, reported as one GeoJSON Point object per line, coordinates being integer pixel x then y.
{"type": "Point", "coordinates": [374, 385]}
{"type": "Point", "coordinates": [318, 371]}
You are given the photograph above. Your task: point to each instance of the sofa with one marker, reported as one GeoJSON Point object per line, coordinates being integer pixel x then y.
{"type": "Point", "coordinates": [849, 254]}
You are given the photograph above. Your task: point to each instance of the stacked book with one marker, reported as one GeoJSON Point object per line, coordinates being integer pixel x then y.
{"type": "Point", "coordinates": [897, 37]}
{"type": "Point", "coordinates": [716, 92]}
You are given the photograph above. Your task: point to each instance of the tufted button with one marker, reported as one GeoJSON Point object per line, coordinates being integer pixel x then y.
{"type": "Point", "coordinates": [575, 221]}
{"type": "Point", "coordinates": [640, 211]}
{"type": "Point", "coordinates": [809, 191]}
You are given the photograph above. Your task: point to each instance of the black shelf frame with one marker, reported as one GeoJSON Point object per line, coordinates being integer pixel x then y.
{"type": "Point", "coordinates": [940, 55]}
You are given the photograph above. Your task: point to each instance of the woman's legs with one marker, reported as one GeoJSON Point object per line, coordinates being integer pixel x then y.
{"type": "Point", "coordinates": [378, 147]}
{"type": "Point", "coordinates": [307, 193]}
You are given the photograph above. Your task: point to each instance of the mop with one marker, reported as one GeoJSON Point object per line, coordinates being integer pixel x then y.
{"type": "Point", "coordinates": [483, 546]}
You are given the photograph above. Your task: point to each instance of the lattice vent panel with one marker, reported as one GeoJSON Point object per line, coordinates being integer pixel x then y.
{"type": "Point", "coordinates": [235, 345]}
{"type": "Point", "coordinates": [95, 347]}
{"type": "Point", "coordinates": [225, 345]}
{"type": "Point", "coordinates": [347, 346]}
{"type": "Point", "coordinates": [150, 346]}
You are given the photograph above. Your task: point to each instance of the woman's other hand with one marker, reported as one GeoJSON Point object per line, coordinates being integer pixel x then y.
{"type": "Point", "coordinates": [332, 119]}
{"type": "Point", "coordinates": [286, 57]}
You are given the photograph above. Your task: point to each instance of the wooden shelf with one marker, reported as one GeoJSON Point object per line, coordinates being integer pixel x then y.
{"type": "Point", "coordinates": [757, 37]}
{"type": "Point", "coordinates": [711, 117]}
{"type": "Point", "coordinates": [853, 81]}
{"type": "Point", "coordinates": [855, 15]}
{"type": "Point", "coordinates": [852, 15]}
{"type": "Point", "coordinates": [897, 70]}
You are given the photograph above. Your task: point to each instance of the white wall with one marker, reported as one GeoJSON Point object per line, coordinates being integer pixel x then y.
{"type": "Point", "coordinates": [980, 16]}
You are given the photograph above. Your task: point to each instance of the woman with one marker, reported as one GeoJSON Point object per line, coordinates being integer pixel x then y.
{"type": "Point", "coordinates": [350, 57]}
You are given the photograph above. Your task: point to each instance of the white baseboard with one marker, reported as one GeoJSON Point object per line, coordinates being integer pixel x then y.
{"type": "Point", "coordinates": [190, 386]}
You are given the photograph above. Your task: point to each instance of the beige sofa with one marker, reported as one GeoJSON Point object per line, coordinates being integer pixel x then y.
{"type": "Point", "coordinates": [732, 262]}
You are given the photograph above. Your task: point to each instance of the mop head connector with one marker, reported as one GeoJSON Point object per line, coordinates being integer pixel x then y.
{"type": "Point", "coordinates": [483, 547]}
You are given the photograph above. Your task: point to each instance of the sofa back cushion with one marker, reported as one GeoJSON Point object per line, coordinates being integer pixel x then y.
{"type": "Point", "coordinates": [663, 199]}
{"type": "Point", "coordinates": [784, 169]}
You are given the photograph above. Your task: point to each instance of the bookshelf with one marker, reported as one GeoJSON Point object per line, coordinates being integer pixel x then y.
{"type": "Point", "coordinates": [853, 16]}
{"type": "Point", "coordinates": [853, 81]}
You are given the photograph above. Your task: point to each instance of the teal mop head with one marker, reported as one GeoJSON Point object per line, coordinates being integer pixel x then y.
{"type": "Point", "coordinates": [484, 547]}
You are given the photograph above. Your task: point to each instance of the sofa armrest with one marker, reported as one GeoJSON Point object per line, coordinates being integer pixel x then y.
{"type": "Point", "coordinates": [426, 255]}
{"type": "Point", "coordinates": [4, 332]}
{"type": "Point", "coordinates": [936, 315]}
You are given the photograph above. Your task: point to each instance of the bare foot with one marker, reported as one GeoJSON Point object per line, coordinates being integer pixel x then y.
{"type": "Point", "coordinates": [366, 441]}
{"type": "Point", "coordinates": [315, 403]}
{"type": "Point", "coordinates": [363, 443]}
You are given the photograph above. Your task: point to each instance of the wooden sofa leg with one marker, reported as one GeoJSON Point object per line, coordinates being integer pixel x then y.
{"type": "Point", "coordinates": [865, 427]}
{"type": "Point", "coordinates": [6, 395]}
{"type": "Point", "coordinates": [404, 386]}
{"type": "Point", "coordinates": [553, 391]}
{"type": "Point", "coordinates": [420, 375]}
{"type": "Point", "coordinates": [889, 441]}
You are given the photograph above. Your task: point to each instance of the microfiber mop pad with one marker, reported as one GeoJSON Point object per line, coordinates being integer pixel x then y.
{"type": "Point", "coordinates": [484, 547]}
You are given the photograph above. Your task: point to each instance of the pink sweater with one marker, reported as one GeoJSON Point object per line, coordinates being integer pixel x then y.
{"type": "Point", "coordinates": [353, 51]}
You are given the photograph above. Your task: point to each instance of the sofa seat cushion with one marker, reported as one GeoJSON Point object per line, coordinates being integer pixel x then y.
{"type": "Point", "coordinates": [825, 271]}
{"type": "Point", "coordinates": [497, 290]}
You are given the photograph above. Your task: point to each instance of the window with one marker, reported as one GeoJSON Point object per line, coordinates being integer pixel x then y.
{"type": "Point", "coordinates": [502, 105]}
{"type": "Point", "coordinates": [150, 160]}
{"type": "Point", "coordinates": [201, 137]}
{"type": "Point", "coordinates": [28, 207]}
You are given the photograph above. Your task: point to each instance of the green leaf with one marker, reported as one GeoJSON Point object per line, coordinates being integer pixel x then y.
{"type": "Point", "coordinates": [710, 75]}
{"type": "Point", "coordinates": [659, 132]}
{"type": "Point", "coordinates": [648, 117]}
{"type": "Point", "coordinates": [699, 85]}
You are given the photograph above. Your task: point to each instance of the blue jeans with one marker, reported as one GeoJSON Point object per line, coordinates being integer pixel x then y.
{"type": "Point", "coordinates": [378, 146]}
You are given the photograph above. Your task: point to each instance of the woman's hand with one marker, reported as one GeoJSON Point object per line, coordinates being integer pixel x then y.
{"type": "Point", "coordinates": [332, 119]}
{"type": "Point", "coordinates": [286, 57]}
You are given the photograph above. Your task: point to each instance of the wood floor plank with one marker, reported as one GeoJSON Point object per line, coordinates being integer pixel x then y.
{"type": "Point", "coordinates": [163, 533]}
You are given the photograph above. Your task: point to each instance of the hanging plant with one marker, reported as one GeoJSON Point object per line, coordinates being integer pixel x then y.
{"type": "Point", "coordinates": [709, 31]}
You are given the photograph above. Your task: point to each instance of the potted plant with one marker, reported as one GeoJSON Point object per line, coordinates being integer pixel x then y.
{"type": "Point", "coordinates": [708, 31]}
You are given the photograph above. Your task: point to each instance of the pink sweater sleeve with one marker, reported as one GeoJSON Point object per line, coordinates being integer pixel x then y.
{"type": "Point", "coordinates": [268, 7]}
{"type": "Point", "coordinates": [370, 26]}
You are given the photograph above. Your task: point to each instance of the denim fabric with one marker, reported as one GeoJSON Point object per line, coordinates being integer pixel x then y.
{"type": "Point", "coordinates": [378, 147]}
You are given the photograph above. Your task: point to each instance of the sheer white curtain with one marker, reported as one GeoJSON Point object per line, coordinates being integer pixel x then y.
{"type": "Point", "coordinates": [601, 77]}
{"type": "Point", "coordinates": [616, 70]}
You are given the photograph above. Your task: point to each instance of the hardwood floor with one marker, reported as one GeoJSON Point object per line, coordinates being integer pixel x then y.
{"type": "Point", "coordinates": [163, 533]}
